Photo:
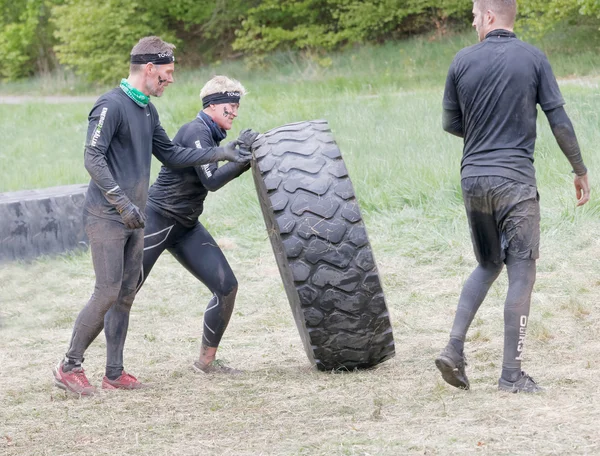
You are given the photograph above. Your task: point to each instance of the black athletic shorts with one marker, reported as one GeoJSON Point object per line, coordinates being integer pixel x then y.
{"type": "Point", "coordinates": [504, 218]}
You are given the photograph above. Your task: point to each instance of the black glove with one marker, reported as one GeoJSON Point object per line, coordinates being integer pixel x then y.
{"type": "Point", "coordinates": [132, 217]}
{"type": "Point", "coordinates": [247, 138]}
{"type": "Point", "coordinates": [232, 153]}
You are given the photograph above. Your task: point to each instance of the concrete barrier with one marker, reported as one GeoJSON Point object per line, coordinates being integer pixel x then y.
{"type": "Point", "coordinates": [41, 222]}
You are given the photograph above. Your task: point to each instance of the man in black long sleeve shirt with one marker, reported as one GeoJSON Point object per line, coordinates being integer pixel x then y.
{"type": "Point", "coordinates": [124, 132]}
{"type": "Point", "coordinates": [491, 97]}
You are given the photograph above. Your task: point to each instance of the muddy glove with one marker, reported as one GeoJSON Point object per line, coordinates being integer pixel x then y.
{"type": "Point", "coordinates": [247, 138]}
{"type": "Point", "coordinates": [132, 217]}
{"type": "Point", "coordinates": [231, 153]}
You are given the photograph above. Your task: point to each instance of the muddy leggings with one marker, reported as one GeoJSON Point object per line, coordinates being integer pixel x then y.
{"type": "Point", "coordinates": [504, 219]}
{"type": "Point", "coordinates": [117, 259]}
{"type": "Point", "coordinates": [198, 252]}
{"type": "Point", "coordinates": [521, 278]}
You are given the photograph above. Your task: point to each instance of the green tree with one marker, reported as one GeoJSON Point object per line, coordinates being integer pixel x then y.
{"type": "Point", "coordinates": [206, 28]}
{"type": "Point", "coordinates": [329, 24]}
{"type": "Point", "coordinates": [541, 16]}
{"type": "Point", "coordinates": [26, 39]}
{"type": "Point", "coordinates": [95, 38]}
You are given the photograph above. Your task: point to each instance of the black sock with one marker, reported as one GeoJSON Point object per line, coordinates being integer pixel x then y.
{"type": "Point", "coordinates": [69, 365]}
{"type": "Point", "coordinates": [458, 344]}
{"type": "Point", "coordinates": [511, 375]}
{"type": "Point", "coordinates": [113, 374]}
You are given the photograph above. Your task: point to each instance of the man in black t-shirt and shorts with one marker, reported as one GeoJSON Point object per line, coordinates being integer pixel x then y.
{"type": "Point", "coordinates": [490, 99]}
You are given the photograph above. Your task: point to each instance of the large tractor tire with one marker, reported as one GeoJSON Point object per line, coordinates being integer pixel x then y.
{"type": "Point", "coordinates": [321, 247]}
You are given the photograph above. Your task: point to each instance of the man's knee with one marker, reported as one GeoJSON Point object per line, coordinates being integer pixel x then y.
{"type": "Point", "coordinates": [126, 298]}
{"type": "Point", "coordinates": [229, 287]}
{"type": "Point", "coordinates": [491, 268]}
{"type": "Point", "coordinates": [521, 272]}
{"type": "Point", "coordinates": [106, 295]}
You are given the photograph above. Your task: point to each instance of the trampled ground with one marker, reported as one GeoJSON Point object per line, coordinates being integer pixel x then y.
{"type": "Point", "coordinates": [281, 406]}
{"type": "Point", "coordinates": [384, 107]}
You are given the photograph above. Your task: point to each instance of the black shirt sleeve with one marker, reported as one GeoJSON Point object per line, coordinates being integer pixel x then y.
{"type": "Point", "coordinates": [548, 95]}
{"type": "Point", "coordinates": [450, 101]}
{"type": "Point", "coordinates": [104, 121]}
{"type": "Point", "coordinates": [563, 131]}
{"type": "Point", "coordinates": [211, 175]}
{"type": "Point", "coordinates": [179, 157]}
{"type": "Point", "coordinates": [452, 122]}
{"type": "Point", "coordinates": [214, 179]}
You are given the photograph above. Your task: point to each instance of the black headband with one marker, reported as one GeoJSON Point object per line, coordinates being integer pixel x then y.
{"type": "Point", "coordinates": [157, 59]}
{"type": "Point", "coordinates": [222, 97]}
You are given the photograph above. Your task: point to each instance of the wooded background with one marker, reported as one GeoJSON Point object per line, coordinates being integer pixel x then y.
{"type": "Point", "coordinates": [94, 37]}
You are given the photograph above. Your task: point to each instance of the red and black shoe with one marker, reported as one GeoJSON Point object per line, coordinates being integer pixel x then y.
{"type": "Point", "coordinates": [123, 381]}
{"type": "Point", "coordinates": [73, 381]}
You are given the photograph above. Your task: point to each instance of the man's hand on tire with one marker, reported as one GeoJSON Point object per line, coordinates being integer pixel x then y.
{"type": "Point", "coordinates": [231, 152]}
{"type": "Point", "coordinates": [247, 138]}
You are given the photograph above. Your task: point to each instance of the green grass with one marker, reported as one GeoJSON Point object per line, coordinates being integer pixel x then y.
{"type": "Point", "coordinates": [384, 107]}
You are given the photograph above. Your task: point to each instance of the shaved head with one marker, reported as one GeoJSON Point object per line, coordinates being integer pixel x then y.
{"type": "Point", "coordinates": [505, 10]}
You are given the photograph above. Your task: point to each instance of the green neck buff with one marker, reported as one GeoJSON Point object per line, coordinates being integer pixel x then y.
{"type": "Point", "coordinates": [140, 98]}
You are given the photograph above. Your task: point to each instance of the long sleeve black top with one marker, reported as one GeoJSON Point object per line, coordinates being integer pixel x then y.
{"type": "Point", "coordinates": [180, 193]}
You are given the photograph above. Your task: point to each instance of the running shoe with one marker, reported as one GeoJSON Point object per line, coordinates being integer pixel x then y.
{"type": "Point", "coordinates": [525, 384]}
{"type": "Point", "coordinates": [73, 381]}
{"type": "Point", "coordinates": [216, 367]}
{"type": "Point", "coordinates": [452, 366]}
{"type": "Point", "coordinates": [124, 381]}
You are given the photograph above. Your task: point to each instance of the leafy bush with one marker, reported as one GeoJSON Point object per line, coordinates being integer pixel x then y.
{"type": "Point", "coordinates": [329, 24]}
{"type": "Point", "coordinates": [206, 28]}
{"type": "Point", "coordinates": [541, 16]}
{"type": "Point", "coordinates": [25, 38]}
{"type": "Point", "coordinates": [96, 37]}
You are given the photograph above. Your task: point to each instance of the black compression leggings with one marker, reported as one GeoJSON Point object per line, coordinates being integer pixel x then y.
{"type": "Point", "coordinates": [198, 252]}
{"type": "Point", "coordinates": [521, 278]}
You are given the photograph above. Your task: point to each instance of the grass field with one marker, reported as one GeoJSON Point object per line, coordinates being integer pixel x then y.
{"type": "Point", "coordinates": [384, 107]}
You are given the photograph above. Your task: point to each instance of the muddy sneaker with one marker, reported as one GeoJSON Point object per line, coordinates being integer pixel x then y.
{"type": "Point", "coordinates": [216, 367]}
{"type": "Point", "coordinates": [123, 381]}
{"type": "Point", "coordinates": [452, 366]}
{"type": "Point", "coordinates": [73, 381]}
{"type": "Point", "coordinates": [525, 384]}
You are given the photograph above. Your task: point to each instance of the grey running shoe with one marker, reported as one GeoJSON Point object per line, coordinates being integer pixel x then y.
{"type": "Point", "coordinates": [525, 384]}
{"type": "Point", "coordinates": [216, 367]}
{"type": "Point", "coordinates": [452, 366]}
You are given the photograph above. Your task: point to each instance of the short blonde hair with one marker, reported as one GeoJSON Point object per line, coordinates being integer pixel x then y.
{"type": "Point", "coordinates": [220, 84]}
